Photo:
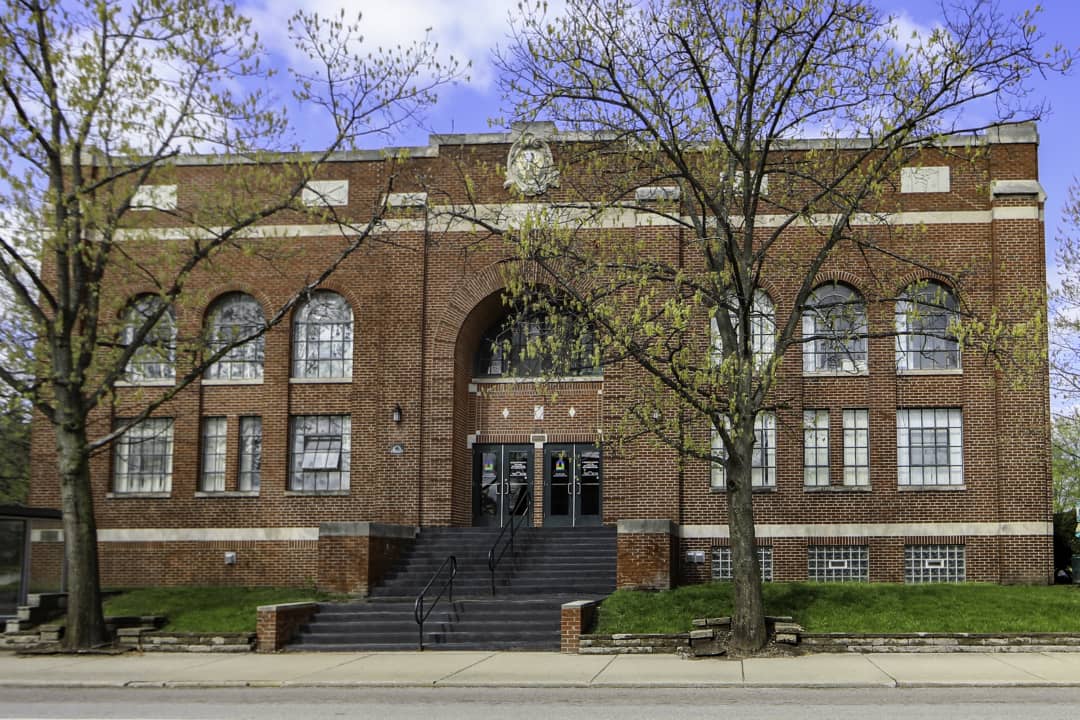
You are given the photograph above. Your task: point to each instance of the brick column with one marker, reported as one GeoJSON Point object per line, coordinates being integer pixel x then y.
{"type": "Point", "coordinates": [277, 624]}
{"type": "Point", "coordinates": [576, 620]}
{"type": "Point", "coordinates": [646, 554]}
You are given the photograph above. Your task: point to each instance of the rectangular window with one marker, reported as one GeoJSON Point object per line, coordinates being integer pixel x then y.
{"type": "Point", "coordinates": [838, 563]}
{"type": "Point", "coordinates": [320, 453]}
{"type": "Point", "coordinates": [250, 455]}
{"type": "Point", "coordinates": [721, 563]}
{"type": "Point", "coordinates": [930, 446]}
{"type": "Point", "coordinates": [763, 461]}
{"type": "Point", "coordinates": [816, 447]}
{"type": "Point", "coordinates": [856, 447]}
{"type": "Point", "coordinates": [213, 454]}
{"type": "Point", "coordinates": [143, 457]}
{"type": "Point", "coordinates": [934, 563]}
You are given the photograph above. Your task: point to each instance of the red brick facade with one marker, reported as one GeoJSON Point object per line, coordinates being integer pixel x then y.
{"type": "Point", "coordinates": [420, 304]}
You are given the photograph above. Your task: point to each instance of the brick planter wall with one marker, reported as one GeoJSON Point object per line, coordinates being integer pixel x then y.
{"type": "Point", "coordinates": [277, 624]}
{"type": "Point", "coordinates": [576, 620]}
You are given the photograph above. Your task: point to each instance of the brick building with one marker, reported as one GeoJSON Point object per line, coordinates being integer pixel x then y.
{"type": "Point", "coordinates": [380, 407]}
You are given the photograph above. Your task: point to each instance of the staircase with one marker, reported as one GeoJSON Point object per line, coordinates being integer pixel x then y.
{"type": "Point", "coordinates": [554, 566]}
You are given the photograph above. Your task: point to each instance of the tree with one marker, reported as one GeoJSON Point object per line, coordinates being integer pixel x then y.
{"type": "Point", "coordinates": [708, 100]}
{"type": "Point", "coordinates": [99, 102]}
{"type": "Point", "coordinates": [1065, 353]}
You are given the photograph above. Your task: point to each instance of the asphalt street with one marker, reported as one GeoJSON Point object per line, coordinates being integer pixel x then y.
{"type": "Point", "coordinates": [541, 703]}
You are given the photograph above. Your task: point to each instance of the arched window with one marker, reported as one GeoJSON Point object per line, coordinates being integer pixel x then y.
{"type": "Point", "coordinates": [155, 358]}
{"type": "Point", "coordinates": [926, 315]}
{"type": "Point", "coordinates": [834, 331]}
{"type": "Point", "coordinates": [323, 337]}
{"type": "Point", "coordinates": [234, 318]}
{"type": "Point", "coordinates": [534, 343]}
{"type": "Point", "coordinates": [762, 329]}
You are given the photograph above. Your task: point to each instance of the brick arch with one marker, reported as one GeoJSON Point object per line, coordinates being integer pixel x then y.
{"type": "Point", "coordinates": [843, 277]}
{"type": "Point", "coordinates": [916, 276]}
{"type": "Point", "coordinates": [217, 293]}
{"type": "Point", "coordinates": [469, 294]}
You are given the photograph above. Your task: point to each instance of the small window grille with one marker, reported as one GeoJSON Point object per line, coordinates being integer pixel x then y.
{"type": "Point", "coordinates": [838, 563]}
{"type": "Point", "coordinates": [721, 563]}
{"type": "Point", "coordinates": [934, 563]}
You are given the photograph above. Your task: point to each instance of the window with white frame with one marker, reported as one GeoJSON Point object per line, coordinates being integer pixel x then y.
{"type": "Point", "coordinates": [815, 447]}
{"type": "Point", "coordinates": [721, 563]}
{"type": "Point", "coordinates": [762, 329]}
{"type": "Point", "coordinates": [154, 360]}
{"type": "Point", "coordinates": [142, 457]}
{"type": "Point", "coordinates": [323, 337]}
{"type": "Point", "coordinates": [233, 319]}
{"type": "Point", "coordinates": [763, 460]}
{"type": "Point", "coordinates": [320, 453]}
{"type": "Point", "coordinates": [249, 460]}
{"type": "Point", "coordinates": [838, 563]}
{"type": "Point", "coordinates": [834, 331]}
{"type": "Point", "coordinates": [926, 318]}
{"type": "Point", "coordinates": [857, 447]}
{"type": "Point", "coordinates": [934, 563]}
{"type": "Point", "coordinates": [930, 446]}
{"type": "Point", "coordinates": [213, 454]}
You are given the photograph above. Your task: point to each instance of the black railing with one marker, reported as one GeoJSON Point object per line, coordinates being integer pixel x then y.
{"type": "Point", "coordinates": [517, 514]}
{"type": "Point", "coordinates": [418, 606]}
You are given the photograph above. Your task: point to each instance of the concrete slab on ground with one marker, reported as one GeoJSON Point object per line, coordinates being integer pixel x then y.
{"type": "Point", "coordinates": [390, 668]}
{"type": "Point", "coordinates": [669, 671]}
{"type": "Point", "coordinates": [832, 670]}
{"type": "Point", "coordinates": [530, 669]}
{"type": "Point", "coordinates": [951, 669]}
{"type": "Point", "coordinates": [1049, 668]}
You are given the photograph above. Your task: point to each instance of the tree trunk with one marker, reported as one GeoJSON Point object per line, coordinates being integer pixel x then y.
{"type": "Point", "coordinates": [85, 620]}
{"type": "Point", "coordinates": [748, 617]}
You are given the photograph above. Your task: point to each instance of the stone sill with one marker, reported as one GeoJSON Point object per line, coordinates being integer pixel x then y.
{"type": "Point", "coordinates": [227, 494]}
{"type": "Point", "coordinates": [226, 383]}
{"type": "Point", "coordinates": [538, 380]}
{"type": "Point", "coordinates": [756, 490]}
{"type": "Point", "coordinates": [931, 488]}
{"type": "Point", "coordinates": [837, 488]}
{"type": "Point", "coordinates": [320, 381]}
{"type": "Point", "coordinates": [861, 372]}
{"type": "Point", "coordinates": [137, 495]}
{"type": "Point", "coordinates": [316, 493]}
{"type": "Point", "coordinates": [145, 383]}
{"type": "Point", "coordinates": [925, 373]}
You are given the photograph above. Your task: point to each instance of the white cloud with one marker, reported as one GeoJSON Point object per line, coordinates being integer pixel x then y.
{"type": "Point", "coordinates": [466, 29]}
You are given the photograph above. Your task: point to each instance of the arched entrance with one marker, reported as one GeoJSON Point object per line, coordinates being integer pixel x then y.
{"type": "Point", "coordinates": [531, 441]}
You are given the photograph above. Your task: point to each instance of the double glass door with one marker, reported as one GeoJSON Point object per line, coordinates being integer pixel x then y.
{"type": "Point", "coordinates": [502, 479]}
{"type": "Point", "coordinates": [572, 484]}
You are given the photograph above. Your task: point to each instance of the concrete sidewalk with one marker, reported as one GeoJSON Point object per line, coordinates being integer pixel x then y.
{"type": "Point", "coordinates": [526, 669]}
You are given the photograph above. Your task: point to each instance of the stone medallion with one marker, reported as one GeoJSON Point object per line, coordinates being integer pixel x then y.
{"type": "Point", "coordinates": [529, 167]}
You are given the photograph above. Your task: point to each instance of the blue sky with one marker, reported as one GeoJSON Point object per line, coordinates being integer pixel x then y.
{"type": "Point", "coordinates": [469, 29]}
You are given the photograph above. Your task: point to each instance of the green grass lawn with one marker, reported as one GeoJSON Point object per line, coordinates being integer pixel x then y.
{"type": "Point", "coordinates": [205, 609]}
{"type": "Point", "coordinates": [858, 607]}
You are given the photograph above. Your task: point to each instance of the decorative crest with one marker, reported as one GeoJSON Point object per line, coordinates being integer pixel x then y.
{"type": "Point", "coordinates": [530, 167]}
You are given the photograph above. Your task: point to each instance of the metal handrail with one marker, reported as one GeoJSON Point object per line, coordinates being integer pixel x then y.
{"type": "Point", "coordinates": [519, 511]}
{"type": "Point", "coordinates": [418, 606]}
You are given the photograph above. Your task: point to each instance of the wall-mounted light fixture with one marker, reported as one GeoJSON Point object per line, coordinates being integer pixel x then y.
{"type": "Point", "coordinates": [395, 414]}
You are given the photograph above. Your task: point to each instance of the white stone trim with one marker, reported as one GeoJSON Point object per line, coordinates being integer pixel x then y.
{"type": "Point", "coordinates": [1018, 187]}
{"type": "Point", "coordinates": [278, 534]}
{"type": "Point", "coordinates": [443, 219]}
{"type": "Point", "coordinates": [925, 179]}
{"type": "Point", "coordinates": [404, 200]}
{"type": "Point", "coordinates": [1017, 213]}
{"type": "Point", "coordinates": [154, 197]}
{"type": "Point", "coordinates": [797, 530]}
{"type": "Point", "coordinates": [325, 193]}
{"type": "Point", "coordinates": [657, 193]}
